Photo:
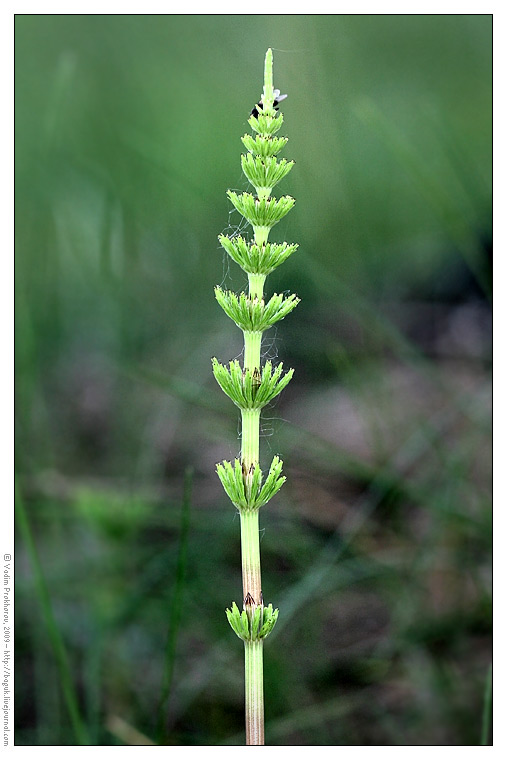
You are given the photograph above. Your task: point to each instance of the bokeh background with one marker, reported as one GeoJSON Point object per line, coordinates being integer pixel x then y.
{"type": "Point", "coordinates": [377, 549]}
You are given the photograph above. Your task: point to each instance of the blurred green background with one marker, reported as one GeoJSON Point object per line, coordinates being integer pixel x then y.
{"type": "Point", "coordinates": [377, 549]}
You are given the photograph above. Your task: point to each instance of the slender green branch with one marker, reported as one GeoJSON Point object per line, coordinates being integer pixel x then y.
{"type": "Point", "coordinates": [253, 386]}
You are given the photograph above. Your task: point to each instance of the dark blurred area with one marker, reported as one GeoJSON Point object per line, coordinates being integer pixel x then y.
{"type": "Point", "coordinates": [378, 548]}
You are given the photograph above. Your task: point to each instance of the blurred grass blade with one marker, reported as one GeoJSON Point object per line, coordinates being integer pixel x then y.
{"type": "Point", "coordinates": [382, 328]}
{"type": "Point", "coordinates": [486, 710]}
{"type": "Point", "coordinates": [184, 390]}
{"type": "Point", "coordinates": [175, 607]}
{"type": "Point", "coordinates": [456, 223]}
{"type": "Point", "coordinates": [127, 733]}
{"type": "Point", "coordinates": [55, 637]}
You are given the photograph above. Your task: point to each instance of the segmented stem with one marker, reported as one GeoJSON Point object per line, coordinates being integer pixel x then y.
{"type": "Point", "coordinates": [251, 387]}
{"type": "Point", "coordinates": [267, 96]}
{"type": "Point", "coordinates": [254, 692]}
{"type": "Point", "coordinates": [252, 350]}
{"type": "Point", "coordinates": [250, 438]}
{"type": "Point", "coordinates": [251, 555]}
{"type": "Point", "coordinates": [256, 285]}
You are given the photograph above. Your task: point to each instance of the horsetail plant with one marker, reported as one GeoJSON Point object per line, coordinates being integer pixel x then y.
{"type": "Point", "coordinates": [253, 386]}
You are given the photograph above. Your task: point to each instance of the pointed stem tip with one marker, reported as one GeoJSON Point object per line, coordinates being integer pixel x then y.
{"type": "Point", "coordinates": [267, 97]}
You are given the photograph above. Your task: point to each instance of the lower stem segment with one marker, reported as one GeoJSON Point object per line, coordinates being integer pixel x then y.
{"type": "Point", "coordinates": [254, 692]}
{"type": "Point", "coordinates": [250, 546]}
{"type": "Point", "coordinates": [251, 555]}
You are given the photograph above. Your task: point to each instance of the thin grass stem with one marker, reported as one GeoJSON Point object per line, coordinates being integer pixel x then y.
{"type": "Point", "coordinates": [175, 609]}
{"type": "Point", "coordinates": [54, 634]}
{"type": "Point", "coordinates": [486, 709]}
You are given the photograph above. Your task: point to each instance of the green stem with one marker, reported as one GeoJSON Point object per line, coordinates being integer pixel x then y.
{"type": "Point", "coordinates": [253, 339]}
{"type": "Point", "coordinates": [254, 693]}
{"type": "Point", "coordinates": [250, 420]}
{"type": "Point", "coordinates": [251, 555]}
{"type": "Point", "coordinates": [256, 285]}
{"type": "Point", "coordinates": [252, 350]}
{"type": "Point", "coordinates": [250, 545]}
{"type": "Point", "coordinates": [261, 234]}
{"type": "Point", "coordinates": [267, 96]}
{"type": "Point", "coordinates": [250, 437]}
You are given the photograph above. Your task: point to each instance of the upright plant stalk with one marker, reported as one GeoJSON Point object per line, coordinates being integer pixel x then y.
{"type": "Point", "coordinates": [253, 386]}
